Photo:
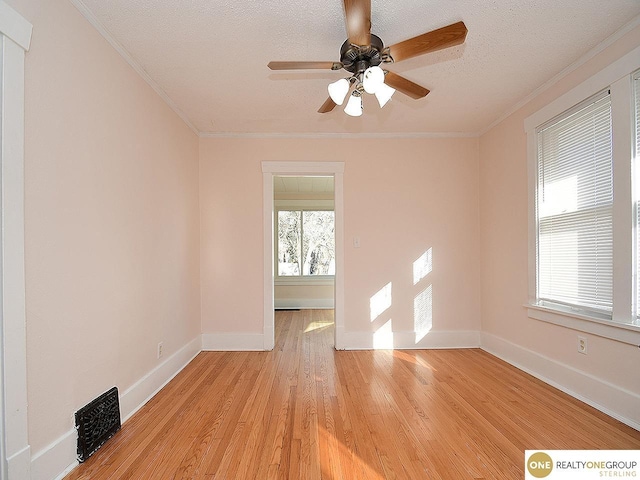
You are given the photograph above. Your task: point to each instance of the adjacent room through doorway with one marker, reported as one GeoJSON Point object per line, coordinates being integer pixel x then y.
{"type": "Point", "coordinates": [304, 251]}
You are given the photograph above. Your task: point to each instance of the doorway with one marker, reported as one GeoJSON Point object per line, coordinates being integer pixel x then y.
{"type": "Point", "coordinates": [304, 242]}
{"type": "Point", "coordinates": [301, 170]}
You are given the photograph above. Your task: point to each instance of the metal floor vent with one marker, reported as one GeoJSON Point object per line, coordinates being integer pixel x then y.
{"type": "Point", "coordinates": [97, 422]}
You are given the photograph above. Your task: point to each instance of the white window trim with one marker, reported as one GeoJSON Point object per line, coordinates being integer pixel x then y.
{"type": "Point", "coordinates": [617, 77]}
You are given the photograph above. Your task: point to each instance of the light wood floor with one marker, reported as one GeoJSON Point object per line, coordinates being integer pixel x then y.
{"type": "Point", "coordinates": [305, 411]}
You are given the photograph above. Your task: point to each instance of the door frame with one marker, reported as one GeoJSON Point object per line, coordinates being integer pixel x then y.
{"type": "Point", "coordinates": [330, 169]}
{"type": "Point", "coordinates": [15, 452]}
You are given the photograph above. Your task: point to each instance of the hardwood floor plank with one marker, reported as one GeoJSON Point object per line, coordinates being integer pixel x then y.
{"type": "Point", "coordinates": [306, 411]}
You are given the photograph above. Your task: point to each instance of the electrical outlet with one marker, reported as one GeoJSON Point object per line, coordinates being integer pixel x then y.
{"type": "Point", "coordinates": [582, 345]}
{"type": "Point", "coordinates": [160, 350]}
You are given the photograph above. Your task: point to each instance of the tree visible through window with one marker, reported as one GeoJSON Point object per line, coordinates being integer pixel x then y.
{"type": "Point", "coordinates": [306, 244]}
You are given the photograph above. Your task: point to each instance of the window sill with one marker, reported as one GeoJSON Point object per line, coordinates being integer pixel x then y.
{"type": "Point", "coordinates": [621, 332]}
{"type": "Point", "coordinates": [318, 281]}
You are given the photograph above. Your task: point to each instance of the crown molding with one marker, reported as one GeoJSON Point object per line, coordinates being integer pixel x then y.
{"type": "Point", "coordinates": [93, 20]}
{"type": "Point", "coordinates": [339, 135]}
{"type": "Point", "coordinates": [607, 42]}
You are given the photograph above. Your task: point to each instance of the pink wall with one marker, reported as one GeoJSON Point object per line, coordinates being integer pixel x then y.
{"type": "Point", "coordinates": [138, 232]}
{"type": "Point", "coordinates": [504, 253]}
{"type": "Point", "coordinates": [111, 221]}
{"type": "Point", "coordinates": [401, 197]}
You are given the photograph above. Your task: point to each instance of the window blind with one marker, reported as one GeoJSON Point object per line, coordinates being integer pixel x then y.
{"type": "Point", "coordinates": [636, 185]}
{"type": "Point", "coordinates": [574, 200]}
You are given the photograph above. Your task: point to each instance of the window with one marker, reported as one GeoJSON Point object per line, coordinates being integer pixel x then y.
{"type": "Point", "coordinates": [306, 245]}
{"type": "Point", "coordinates": [575, 208]}
{"type": "Point", "coordinates": [584, 199]}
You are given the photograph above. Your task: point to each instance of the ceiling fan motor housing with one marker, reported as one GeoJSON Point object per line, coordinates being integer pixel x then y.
{"type": "Point", "coordinates": [357, 58]}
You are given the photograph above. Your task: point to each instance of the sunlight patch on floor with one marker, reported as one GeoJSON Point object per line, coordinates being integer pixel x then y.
{"type": "Point", "coordinates": [317, 325]}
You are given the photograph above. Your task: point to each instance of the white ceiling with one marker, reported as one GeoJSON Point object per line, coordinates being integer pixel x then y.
{"type": "Point", "coordinates": [209, 58]}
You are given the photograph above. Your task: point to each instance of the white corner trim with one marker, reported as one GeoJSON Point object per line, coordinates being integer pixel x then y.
{"type": "Point", "coordinates": [60, 457]}
{"type": "Point", "coordinates": [406, 340]}
{"type": "Point", "coordinates": [14, 26]}
{"type": "Point", "coordinates": [610, 399]}
{"type": "Point", "coordinates": [233, 342]}
{"type": "Point", "coordinates": [93, 20]}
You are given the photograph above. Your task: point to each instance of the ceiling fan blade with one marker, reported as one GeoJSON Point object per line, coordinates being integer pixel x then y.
{"type": "Point", "coordinates": [358, 17]}
{"type": "Point", "coordinates": [327, 106]}
{"type": "Point", "coordinates": [444, 37]}
{"type": "Point", "coordinates": [304, 65]}
{"type": "Point", "coordinates": [405, 86]}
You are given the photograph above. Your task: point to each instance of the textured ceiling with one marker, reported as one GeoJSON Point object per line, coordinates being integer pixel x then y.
{"type": "Point", "coordinates": [209, 58]}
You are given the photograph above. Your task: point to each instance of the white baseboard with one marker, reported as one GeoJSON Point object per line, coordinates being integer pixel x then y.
{"type": "Point", "coordinates": [132, 399]}
{"type": "Point", "coordinates": [304, 303]}
{"type": "Point", "coordinates": [18, 464]}
{"type": "Point", "coordinates": [60, 457]}
{"type": "Point", "coordinates": [409, 341]}
{"type": "Point", "coordinates": [57, 459]}
{"type": "Point", "coordinates": [232, 342]}
{"type": "Point", "coordinates": [615, 401]}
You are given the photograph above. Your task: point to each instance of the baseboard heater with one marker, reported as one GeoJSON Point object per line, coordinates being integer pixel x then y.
{"type": "Point", "coordinates": [97, 422]}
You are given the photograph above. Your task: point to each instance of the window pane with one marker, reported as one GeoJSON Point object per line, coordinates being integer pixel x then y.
{"type": "Point", "coordinates": [318, 244]}
{"type": "Point", "coordinates": [289, 243]}
{"type": "Point", "coordinates": [575, 208]}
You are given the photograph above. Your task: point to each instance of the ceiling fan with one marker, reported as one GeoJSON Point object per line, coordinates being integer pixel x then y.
{"type": "Point", "coordinates": [363, 53]}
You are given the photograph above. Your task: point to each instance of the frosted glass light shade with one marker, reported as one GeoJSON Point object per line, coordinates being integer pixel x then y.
{"type": "Point", "coordinates": [384, 94]}
{"type": "Point", "coordinates": [354, 106]}
{"type": "Point", "coordinates": [372, 79]}
{"type": "Point", "coordinates": [338, 90]}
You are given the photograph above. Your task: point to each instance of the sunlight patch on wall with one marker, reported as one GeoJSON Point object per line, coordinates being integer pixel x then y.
{"type": "Point", "coordinates": [383, 337]}
{"type": "Point", "coordinates": [423, 313]}
{"type": "Point", "coordinates": [423, 266]}
{"type": "Point", "coordinates": [380, 302]}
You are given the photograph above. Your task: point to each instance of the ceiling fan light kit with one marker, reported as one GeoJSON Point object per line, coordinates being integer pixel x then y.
{"type": "Point", "coordinates": [372, 79]}
{"type": "Point", "coordinates": [338, 90]}
{"type": "Point", "coordinates": [383, 94]}
{"type": "Point", "coordinates": [363, 53]}
{"type": "Point", "coordinates": [354, 105]}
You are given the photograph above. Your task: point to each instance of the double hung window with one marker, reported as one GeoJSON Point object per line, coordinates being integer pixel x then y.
{"type": "Point", "coordinates": [305, 243]}
{"type": "Point", "coordinates": [584, 174]}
